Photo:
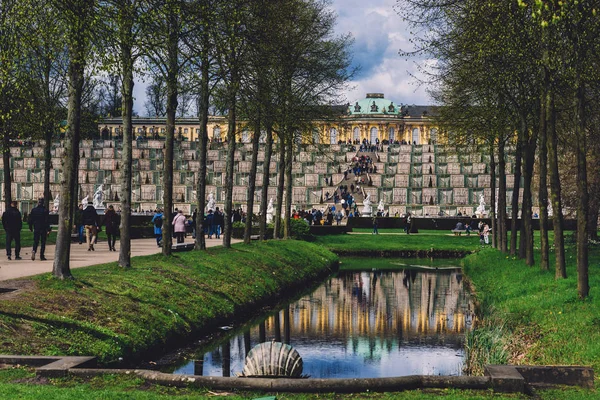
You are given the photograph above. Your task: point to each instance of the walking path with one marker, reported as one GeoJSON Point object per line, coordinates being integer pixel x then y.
{"type": "Point", "coordinates": [80, 257]}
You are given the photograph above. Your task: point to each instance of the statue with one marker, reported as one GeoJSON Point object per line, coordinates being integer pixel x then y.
{"type": "Point", "coordinates": [84, 202]}
{"type": "Point", "coordinates": [98, 197]}
{"type": "Point", "coordinates": [211, 205]}
{"type": "Point", "coordinates": [550, 210]}
{"type": "Point", "coordinates": [380, 207]}
{"type": "Point", "coordinates": [270, 211]}
{"type": "Point", "coordinates": [367, 209]}
{"type": "Point", "coordinates": [56, 203]}
{"type": "Point", "coordinates": [481, 208]}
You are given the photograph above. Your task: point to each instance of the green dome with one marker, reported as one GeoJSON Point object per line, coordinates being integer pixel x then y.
{"type": "Point", "coordinates": [373, 104]}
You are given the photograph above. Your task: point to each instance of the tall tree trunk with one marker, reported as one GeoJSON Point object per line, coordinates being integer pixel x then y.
{"type": "Point", "coordinates": [277, 233]}
{"type": "Point", "coordinates": [495, 236]}
{"type": "Point", "coordinates": [126, 156]}
{"type": "Point", "coordinates": [7, 169]}
{"type": "Point", "coordinates": [583, 286]}
{"type": "Point", "coordinates": [543, 177]}
{"type": "Point", "coordinates": [265, 186]}
{"type": "Point", "coordinates": [515, 195]}
{"type": "Point", "coordinates": [527, 213]}
{"type": "Point", "coordinates": [231, 121]}
{"type": "Point", "coordinates": [502, 227]}
{"type": "Point", "coordinates": [252, 180]}
{"type": "Point", "coordinates": [48, 134]}
{"type": "Point", "coordinates": [287, 232]}
{"type": "Point", "coordinates": [203, 104]}
{"type": "Point", "coordinates": [557, 216]}
{"type": "Point", "coordinates": [172, 75]}
{"type": "Point", "coordinates": [70, 164]}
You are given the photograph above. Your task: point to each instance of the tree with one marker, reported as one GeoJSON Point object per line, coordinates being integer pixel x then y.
{"type": "Point", "coordinates": [78, 18]}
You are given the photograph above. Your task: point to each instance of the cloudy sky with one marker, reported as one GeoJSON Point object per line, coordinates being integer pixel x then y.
{"type": "Point", "coordinates": [379, 33]}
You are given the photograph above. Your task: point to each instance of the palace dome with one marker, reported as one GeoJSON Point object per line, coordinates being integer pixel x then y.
{"type": "Point", "coordinates": [374, 104]}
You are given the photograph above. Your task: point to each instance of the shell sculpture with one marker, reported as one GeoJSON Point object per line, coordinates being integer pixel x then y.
{"type": "Point", "coordinates": [273, 359]}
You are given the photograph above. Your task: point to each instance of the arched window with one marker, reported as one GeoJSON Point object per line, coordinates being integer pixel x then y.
{"type": "Point", "coordinates": [433, 133]}
{"type": "Point", "coordinates": [374, 134]}
{"type": "Point", "coordinates": [333, 136]}
{"type": "Point", "coordinates": [356, 134]}
{"type": "Point", "coordinates": [415, 136]}
{"type": "Point", "coordinates": [217, 132]}
{"type": "Point", "coordinates": [316, 137]}
{"type": "Point", "coordinates": [245, 136]}
{"type": "Point", "coordinates": [392, 135]}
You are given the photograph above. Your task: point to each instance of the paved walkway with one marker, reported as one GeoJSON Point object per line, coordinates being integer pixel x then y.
{"type": "Point", "coordinates": [80, 257]}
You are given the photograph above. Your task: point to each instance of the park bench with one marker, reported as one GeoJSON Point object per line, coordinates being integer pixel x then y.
{"type": "Point", "coordinates": [458, 232]}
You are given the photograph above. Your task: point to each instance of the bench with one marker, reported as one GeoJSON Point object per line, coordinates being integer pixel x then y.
{"type": "Point", "coordinates": [458, 232]}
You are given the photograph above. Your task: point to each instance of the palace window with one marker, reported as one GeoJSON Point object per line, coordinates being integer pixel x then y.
{"type": "Point", "coordinates": [374, 135]}
{"type": "Point", "coordinates": [333, 136]}
{"type": "Point", "coordinates": [415, 136]}
{"type": "Point", "coordinates": [392, 135]}
{"type": "Point", "coordinates": [217, 132]}
{"type": "Point", "coordinates": [356, 133]}
{"type": "Point", "coordinates": [433, 133]}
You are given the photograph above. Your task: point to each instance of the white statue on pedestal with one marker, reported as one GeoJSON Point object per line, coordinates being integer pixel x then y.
{"type": "Point", "coordinates": [211, 205]}
{"type": "Point", "coordinates": [270, 211]}
{"type": "Point", "coordinates": [380, 207]}
{"type": "Point", "coordinates": [367, 209]}
{"type": "Point", "coordinates": [98, 197]}
{"type": "Point", "coordinates": [481, 208]}
{"type": "Point", "coordinates": [84, 202]}
{"type": "Point", "coordinates": [550, 210]}
{"type": "Point", "coordinates": [56, 203]}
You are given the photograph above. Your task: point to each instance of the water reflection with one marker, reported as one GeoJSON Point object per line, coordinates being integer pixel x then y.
{"type": "Point", "coordinates": [363, 324]}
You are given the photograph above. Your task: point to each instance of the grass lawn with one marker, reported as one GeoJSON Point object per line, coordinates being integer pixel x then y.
{"type": "Point", "coordinates": [394, 239]}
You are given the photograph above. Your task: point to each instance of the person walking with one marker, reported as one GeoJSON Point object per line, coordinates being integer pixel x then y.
{"type": "Point", "coordinates": [38, 224]}
{"type": "Point", "coordinates": [375, 226]}
{"type": "Point", "coordinates": [12, 222]}
{"type": "Point", "coordinates": [218, 221]}
{"type": "Point", "coordinates": [157, 221]}
{"type": "Point", "coordinates": [408, 223]}
{"type": "Point", "coordinates": [78, 222]}
{"type": "Point", "coordinates": [210, 223]}
{"type": "Point", "coordinates": [111, 222]}
{"type": "Point", "coordinates": [90, 222]}
{"type": "Point", "coordinates": [179, 225]}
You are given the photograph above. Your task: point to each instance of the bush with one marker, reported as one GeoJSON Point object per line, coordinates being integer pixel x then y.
{"type": "Point", "coordinates": [299, 229]}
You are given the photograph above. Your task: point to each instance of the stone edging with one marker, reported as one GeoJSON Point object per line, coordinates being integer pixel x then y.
{"type": "Point", "coordinates": [500, 378]}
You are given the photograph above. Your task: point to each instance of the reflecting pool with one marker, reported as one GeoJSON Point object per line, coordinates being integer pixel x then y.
{"type": "Point", "coordinates": [361, 324]}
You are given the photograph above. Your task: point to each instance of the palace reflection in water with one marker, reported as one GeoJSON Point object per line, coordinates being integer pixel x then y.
{"type": "Point", "coordinates": [363, 324]}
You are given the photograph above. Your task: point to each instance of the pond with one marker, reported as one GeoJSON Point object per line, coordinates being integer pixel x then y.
{"type": "Point", "coordinates": [396, 319]}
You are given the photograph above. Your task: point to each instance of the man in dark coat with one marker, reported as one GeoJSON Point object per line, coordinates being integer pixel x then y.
{"type": "Point", "coordinates": [90, 222]}
{"type": "Point", "coordinates": [12, 223]}
{"type": "Point", "coordinates": [38, 224]}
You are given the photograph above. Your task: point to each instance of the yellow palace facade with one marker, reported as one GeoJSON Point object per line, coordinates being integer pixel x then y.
{"type": "Point", "coordinates": [374, 118]}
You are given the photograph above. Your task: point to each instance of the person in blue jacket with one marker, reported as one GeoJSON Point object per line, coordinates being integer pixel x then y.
{"type": "Point", "coordinates": [157, 221]}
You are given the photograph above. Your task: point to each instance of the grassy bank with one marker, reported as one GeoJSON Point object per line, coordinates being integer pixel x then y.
{"type": "Point", "coordinates": [394, 240]}
{"type": "Point", "coordinates": [114, 313]}
{"type": "Point", "coordinates": [531, 318]}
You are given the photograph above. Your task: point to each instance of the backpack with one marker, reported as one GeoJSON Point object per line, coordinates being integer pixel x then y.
{"type": "Point", "coordinates": [158, 222]}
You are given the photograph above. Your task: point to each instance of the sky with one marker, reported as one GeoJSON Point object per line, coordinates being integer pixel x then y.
{"type": "Point", "coordinates": [379, 33]}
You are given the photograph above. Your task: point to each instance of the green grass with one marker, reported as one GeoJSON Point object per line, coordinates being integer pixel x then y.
{"type": "Point", "coordinates": [395, 239]}
{"type": "Point", "coordinates": [113, 313]}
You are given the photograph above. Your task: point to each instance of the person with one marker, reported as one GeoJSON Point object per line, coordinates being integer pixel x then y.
{"type": "Point", "coordinates": [179, 226]}
{"type": "Point", "coordinates": [38, 224]}
{"type": "Point", "coordinates": [78, 222]}
{"type": "Point", "coordinates": [338, 217]}
{"type": "Point", "coordinates": [12, 222]}
{"type": "Point", "coordinates": [486, 233]}
{"type": "Point", "coordinates": [408, 223]}
{"type": "Point", "coordinates": [209, 221]}
{"type": "Point", "coordinates": [157, 222]}
{"type": "Point", "coordinates": [111, 222]}
{"type": "Point", "coordinates": [90, 222]}
{"type": "Point", "coordinates": [218, 221]}
{"type": "Point", "coordinates": [375, 231]}
{"type": "Point", "coordinates": [480, 229]}
{"type": "Point", "coordinates": [194, 216]}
